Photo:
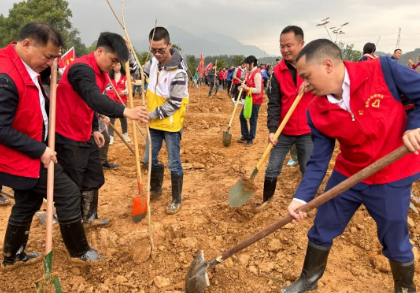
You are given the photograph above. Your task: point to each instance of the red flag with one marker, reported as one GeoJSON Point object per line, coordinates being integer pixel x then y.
{"type": "Point", "coordinates": [200, 66]}
{"type": "Point", "coordinates": [67, 58]}
{"type": "Point", "coordinates": [210, 65]}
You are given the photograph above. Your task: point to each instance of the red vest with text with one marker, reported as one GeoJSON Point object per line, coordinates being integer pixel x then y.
{"type": "Point", "coordinates": [74, 117]}
{"type": "Point", "coordinates": [373, 130]}
{"type": "Point", "coordinates": [298, 122]}
{"type": "Point", "coordinates": [238, 75]}
{"type": "Point", "coordinates": [257, 99]}
{"type": "Point", "coordinates": [119, 86]}
{"type": "Point", "coordinates": [28, 118]}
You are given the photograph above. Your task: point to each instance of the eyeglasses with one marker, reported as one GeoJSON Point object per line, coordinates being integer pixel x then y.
{"type": "Point", "coordinates": [160, 51]}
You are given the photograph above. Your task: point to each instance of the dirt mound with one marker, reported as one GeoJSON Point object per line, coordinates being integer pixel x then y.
{"type": "Point", "coordinates": [206, 222]}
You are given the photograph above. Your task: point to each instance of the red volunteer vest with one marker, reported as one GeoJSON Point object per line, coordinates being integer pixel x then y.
{"type": "Point", "coordinates": [28, 119]}
{"type": "Point", "coordinates": [238, 75]}
{"type": "Point", "coordinates": [377, 129]}
{"type": "Point", "coordinates": [257, 99]}
{"type": "Point", "coordinates": [74, 117]}
{"type": "Point", "coordinates": [119, 86]}
{"type": "Point", "coordinates": [298, 122]}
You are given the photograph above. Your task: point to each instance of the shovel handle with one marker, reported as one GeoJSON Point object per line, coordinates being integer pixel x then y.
{"type": "Point", "coordinates": [236, 105]}
{"type": "Point", "coordinates": [326, 196]}
{"type": "Point", "coordinates": [280, 129]}
{"type": "Point", "coordinates": [119, 134]}
{"type": "Point", "coordinates": [133, 123]}
{"type": "Point", "coordinates": [50, 171]}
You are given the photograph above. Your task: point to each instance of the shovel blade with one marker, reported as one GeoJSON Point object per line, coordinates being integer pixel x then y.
{"type": "Point", "coordinates": [241, 192]}
{"type": "Point", "coordinates": [227, 138]}
{"type": "Point", "coordinates": [42, 216]}
{"type": "Point", "coordinates": [139, 208]}
{"type": "Point", "coordinates": [197, 280]}
{"type": "Point", "coordinates": [49, 283]}
{"type": "Point", "coordinates": [47, 286]}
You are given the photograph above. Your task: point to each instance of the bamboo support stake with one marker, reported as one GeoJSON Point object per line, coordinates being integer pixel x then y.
{"type": "Point", "coordinates": [147, 125]}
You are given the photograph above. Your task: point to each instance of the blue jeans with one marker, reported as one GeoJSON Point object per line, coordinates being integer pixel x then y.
{"type": "Point", "coordinates": [138, 87]}
{"type": "Point", "coordinates": [246, 133]}
{"type": "Point", "coordinates": [173, 146]}
{"type": "Point", "coordinates": [304, 147]}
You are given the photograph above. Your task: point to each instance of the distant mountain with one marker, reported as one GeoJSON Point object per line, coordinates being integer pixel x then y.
{"type": "Point", "coordinates": [209, 44]}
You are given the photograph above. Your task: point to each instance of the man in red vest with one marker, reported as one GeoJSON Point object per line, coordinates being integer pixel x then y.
{"type": "Point", "coordinates": [284, 87]}
{"type": "Point", "coordinates": [358, 104]}
{"type": "Point", "coordinates": [24, 154]}
{"type": "Point", "coordinates": [79, 96]}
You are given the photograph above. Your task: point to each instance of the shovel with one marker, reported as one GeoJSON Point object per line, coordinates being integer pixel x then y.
{"type": "Point", "coordinates": [244, 189]}
{"type": "Point", "coordinates": [119, 134]}
{"type": "Point", "coordinates": [227, 137]}
{"type": "Point", "coordinates": [139, 211]}
{"type": "Point", "coordinates": [197, 279]}
{"type": "Point", "coordinates": [50, 283]}
{"type": "Point", "coordinates": [41, 215]}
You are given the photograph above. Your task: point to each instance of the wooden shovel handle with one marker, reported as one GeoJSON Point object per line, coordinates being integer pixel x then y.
{"type": "Point", "coordinates": [119, 134]}
{"type": "Point", "coordinates": [326, 196]}
{"type": "Point", "coordinates": [280, 129]}
{"type": "Point", "coordinates": [133, 123]}
{"type": "Point", "coordinates": [51, 145]}
{"type": "Point", "coordinates": [236, 105]}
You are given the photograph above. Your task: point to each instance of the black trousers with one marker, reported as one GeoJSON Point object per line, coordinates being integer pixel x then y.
{"type": "Point", "coordinates": [229, 83]}
{"type": "Point", "coordinates": [82, 165]}
{"type": "Point", "coordinates": [66, 197]}
{"type": "Point", "coordinates": [103, 151]}
{"type": "Point", "coordinates": [236, 91]}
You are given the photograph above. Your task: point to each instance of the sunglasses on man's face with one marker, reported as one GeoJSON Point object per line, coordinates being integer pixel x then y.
{"type": "Point", "coordinates": [160, 51]}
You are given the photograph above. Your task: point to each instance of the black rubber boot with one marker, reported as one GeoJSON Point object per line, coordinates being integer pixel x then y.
{"type": "Point", "coordinates": [403, 274]}
{"type": "Point", "coordinates": [75, 240]}
{"type": "Point", "coordinates": [89, 206]}
{"type": "Point", "coordinates": [156, 180]}
{"type": "Point", "coordinates": [108, 165]}
{"type": "Point", "coordinates": [313, 269]}
{"type": "Point", "coordinates": [269, 189]}
{"type": "Point", "coordinates": [15, 241]}
{"type": "Point", "coordinates": [175, 205]}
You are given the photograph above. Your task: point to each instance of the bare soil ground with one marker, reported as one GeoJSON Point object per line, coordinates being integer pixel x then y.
{"type": "Point", "coordinates": [206, 222]}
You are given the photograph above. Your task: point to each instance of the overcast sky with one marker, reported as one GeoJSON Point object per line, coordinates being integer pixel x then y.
{"type": "Point", "coordinates": [255, 22]}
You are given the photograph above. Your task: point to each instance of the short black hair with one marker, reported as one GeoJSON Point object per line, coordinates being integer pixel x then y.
{"type": "Point", "coordinates": [160, 34]}
{"type": "Point", "coordinates": [251, 59]}
{"type": "Point", "coordinates": [277, 59]}
{"type": "Point", "coordinates": [397, 50]}
{"type": "Point", "coordinates": [369, 48]}
{"type": "Point", "coordinates": [41, 34]}
{"type": "Point", "coordinates": [293, 28]}
{"type": "Point", "coordinates": [321, 48]}
{"type": "Point", "coordinates": [113, 43]}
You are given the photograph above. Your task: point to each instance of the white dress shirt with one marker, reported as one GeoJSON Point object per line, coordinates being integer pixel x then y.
{"type": "Point", "coordinates": [34, 76]}
{"type": "Point", "coordinates": [344, 103]}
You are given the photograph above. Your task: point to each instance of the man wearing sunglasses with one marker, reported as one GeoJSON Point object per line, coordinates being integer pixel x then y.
{"type": "Point", "coordinates": [167, 97]}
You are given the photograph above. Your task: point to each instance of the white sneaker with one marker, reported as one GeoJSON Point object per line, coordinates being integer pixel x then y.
{"type": "Point", "coordinates": [111, 140]}
{"type": "Point", "coordinates": [127, 139]}
{"type": "Point", "coordinates": [233, 101]}
{"type": "Point", "coordinates": [242, 102]}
